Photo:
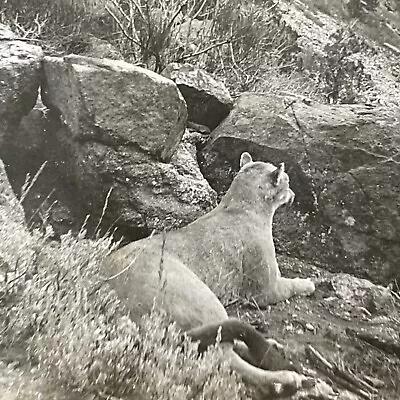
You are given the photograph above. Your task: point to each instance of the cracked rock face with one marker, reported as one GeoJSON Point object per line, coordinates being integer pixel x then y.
{"type": "Point", "coordinates": [120, 125]}
{"type": "Point", "coordinates": [115, 103]}
{"type": "Point", "coordinates": [9, 204]}
{"type": "Point", "coordinates": [20, 75]}
{"type": "Point", "coordinates": [344, 165]}
{"type": "Point", "coordinates": [207, 99]}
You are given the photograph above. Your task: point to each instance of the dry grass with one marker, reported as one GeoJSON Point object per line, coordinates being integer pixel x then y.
{"type": "Point", "coordinates": [239, 41]}
{"type": "Point", "coordinates": [58, 26]}
{"type": "Point", "coordinates": [35, 18]}
{"type": "Point", "coordinates": [53, 299]}
{"type": "Point", "coordinates": [244, 43]}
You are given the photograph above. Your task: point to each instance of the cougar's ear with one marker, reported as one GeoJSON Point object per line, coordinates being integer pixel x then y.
{"type": "Point", "coordinates": [245, 158]}
{"type": "Point", "coordinates": [277, 174]}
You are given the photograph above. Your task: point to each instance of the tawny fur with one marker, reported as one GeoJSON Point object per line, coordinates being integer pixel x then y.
{"type": "Point", "coordinates": [227, 252]}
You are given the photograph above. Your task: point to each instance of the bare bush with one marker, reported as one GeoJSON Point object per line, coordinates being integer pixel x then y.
{"type": "Point", "coordinates": [58, 25]}
{"type": "Point", "coordinates": [259, 43]}
{"type": "Point", "coordinates": [157, 32]}
{"type": "Point", "coordinates": [342, 71]}
{"type": "Point", "coordinates": [239, 41]}
{"type": "Point", "coordinates": [33, 18]}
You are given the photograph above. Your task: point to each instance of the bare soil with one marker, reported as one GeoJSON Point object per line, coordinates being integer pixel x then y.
{"type": "Point", "coordinates": [356, 329]}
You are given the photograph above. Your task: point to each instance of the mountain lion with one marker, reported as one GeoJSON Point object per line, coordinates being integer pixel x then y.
{"type": "Point", "coordinates": [226, 253]}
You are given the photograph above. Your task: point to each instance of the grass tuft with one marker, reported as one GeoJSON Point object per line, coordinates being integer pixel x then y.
{"type": "Point", "coordinates": [54, 301]}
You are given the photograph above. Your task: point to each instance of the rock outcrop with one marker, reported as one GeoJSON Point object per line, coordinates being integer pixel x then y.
{"type": "Point", "coordinates": [120, 126]}
{"type": "Point", "coordinates": [9, 204]}
{"type": "Point", "coordinates": [353, 62]}
{"type": "Point", "coordinates": [116, 103]}
{"type": "Point", "coordinates": [20, 76]}
{"type": "Point", "coordinates": [343, 162]}
{"type": "Point", "coordinates": [207, 99]}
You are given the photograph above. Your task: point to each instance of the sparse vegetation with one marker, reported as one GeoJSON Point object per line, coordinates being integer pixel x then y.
{"type": "Point", "coordinates": [342, 71]}
{"type": "Point", "coordinates": [52, 299]}
{"type": "Point", "coordinates": [244, 43]}
{"type": "Point", "coordinates": [60, 25]}
{"type": "Point", "coordinates": [40, 19]}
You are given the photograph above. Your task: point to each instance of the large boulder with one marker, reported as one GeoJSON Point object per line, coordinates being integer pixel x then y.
{"type": "Point", "coordinates": [109, 101]}
{"type": "Point", "coordinates": [10, 207]}
{"type": "Point", "coordinates": [22, 129]}
{"type": "Point", "coordinates": [20, 76]}
{"type": "Point", "coordinates": [207, 99]}
{"type": "Point", "coordinates": [120, 125]}
{"type": "Point", "coordinates": [344, 166]}
{"type": "Point", "coordinates": [16, 251]}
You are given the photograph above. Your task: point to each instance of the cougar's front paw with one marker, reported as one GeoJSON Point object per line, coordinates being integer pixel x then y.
{"type": "Point", "coordinates": [304, 287]}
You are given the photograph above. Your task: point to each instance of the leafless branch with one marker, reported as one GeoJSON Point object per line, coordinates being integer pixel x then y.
{"type": "Point", "coordinates": [199, 10]}
{"type": "Point", "coordinates": [119, 23]}
{"type": "Point", "coordinates": [339, 375]}
{"type": "Point", "coordinates": [182, 58]}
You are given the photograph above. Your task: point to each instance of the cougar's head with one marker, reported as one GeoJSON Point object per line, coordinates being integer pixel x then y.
{"type": "Point", "coordinates": [266, 181]}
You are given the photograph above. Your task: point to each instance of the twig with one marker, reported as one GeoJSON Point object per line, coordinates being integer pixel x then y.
{"type": "Point", "coordinates": [199, 10]}
{"type": "Point", "coordinates": [319, 357]}
{"type": "Point", "coordinates": [271, 8]}
{"type": "Point", "coordinates": [39, 25]}
{"type": "Point", "coordinates": [17, 277]}
{"type": "Point", "coordinates": [139, 9]}
{"type": "Point", "coordinates": [395, 294]}
{"type": "Point", "coordinates": [195, 54]}
{"type": "Point", "coordinates": [393, 48]}
{"type": "Point", "coordinates": [82, 230]}
{"type": "Point", "coordinates": [339, 376]}
{"type": "Point", "coordinates": [389, 346]}
{"type": "Point", "coordinates": [363, 384]}
{"type": "Point", "coordinates": [9, 289]}
{"type": "Point", "coordinates": [28, 185]}
{"type": "Point", "coordinates": [232, 53]}
{"type": "Point", "coordinates": [119, 23]}
{"type": "Point", "coordinates": [170, 23]}
{"type": "Point", "coordinates": [120, 9]}
{"type": "Point", "coordinates": [231, 302]}
{"type": "Point", "coordinates": [39, 208]}
{"type": "Point", "coordinates": [20, 39]}
{"type": "Point", "coordinates": [104, 210]}
{"type": "Point", "coordinates": [131, 263]}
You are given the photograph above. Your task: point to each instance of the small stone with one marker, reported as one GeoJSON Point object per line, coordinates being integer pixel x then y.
{"type": "Point", "coordinates": [310, 327]}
